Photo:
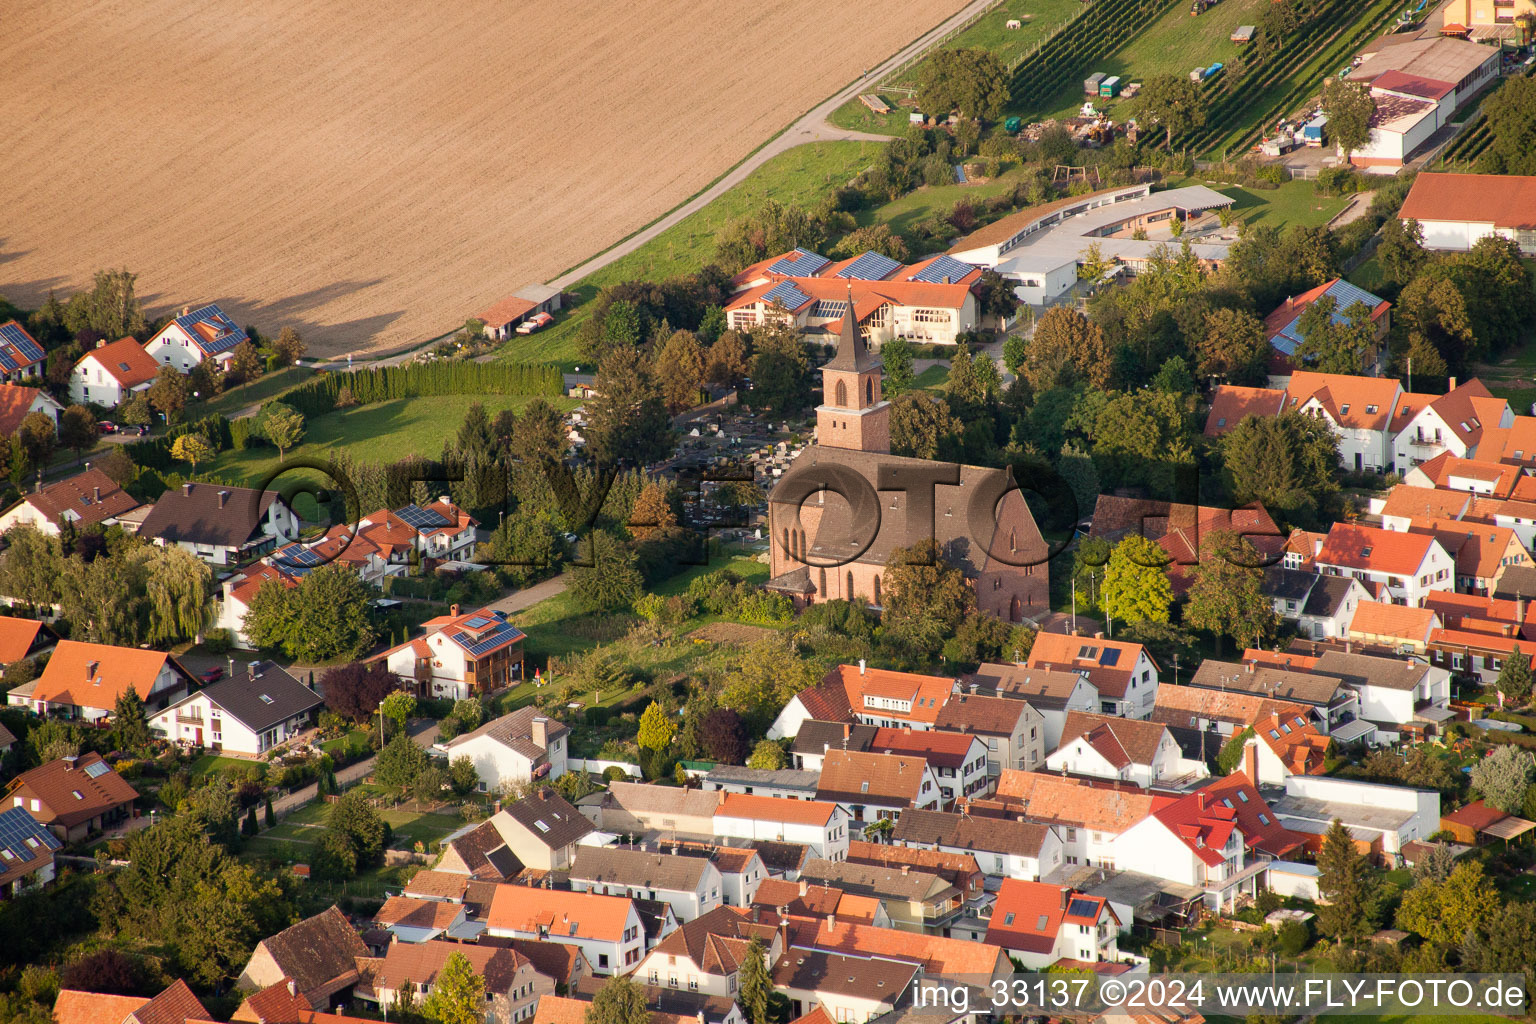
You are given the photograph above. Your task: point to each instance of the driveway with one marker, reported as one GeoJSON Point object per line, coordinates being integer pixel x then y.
{"type": "Point", "coordinates": [530, 596]}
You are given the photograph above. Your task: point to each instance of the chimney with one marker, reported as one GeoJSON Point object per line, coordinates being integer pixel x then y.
{"type": "Point", "coordinates": [1202, 798]}
{"type": "Point", "coordinates": [905, 868]}
{"type": "Point", "coordinates": [861, 666]}
{"type": "Point", "coordinates": [946, 279]}
{"type": "Point", "coordinates": [186, 310]}
{"type": "Point", "coordinates": [293, 988]}
{"type": "Point", "coordinates": [1099, 635]}
{"type": "Point", "coordinates": [223, 498]}
{"type": "Point", "coordinates": [805, 887]}
{"type": "Point", "coordinates": [1250, 667]}
{"type": "Point", "coordinates": [1066, 897]}
{"type": "Point", "coordinates": [253, 670]}
{"type": "Point", "coordinates": [1349, 646]}
{"type": "Point", "coordinates": [831, 921]}
{"type": "Point", "coordinates": [782, 911]}
{"type": "Point", "coordinates": [1452, 382]}
{"type": "Point", "coordinates": [186, 489]}
{"type": "Point", "coordinates": [101, 342]}
{"type": "Point", "coordinates": [453, 610]}
{"type": "Point", "coordinates": [1251, 761]}
{"type": "Point", "coordinates": [69, 763]}
{"type": "Point", "coordinates": [539, 731]}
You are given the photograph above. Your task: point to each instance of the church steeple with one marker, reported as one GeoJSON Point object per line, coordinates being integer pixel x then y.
{"type": "Point", "coordinates": [852, 354]}
{"type": "Point", "coordinates": [853, 413]}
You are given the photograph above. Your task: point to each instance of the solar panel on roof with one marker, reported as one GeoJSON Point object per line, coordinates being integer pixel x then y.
{"type": "Point", "coordinates": [1082, 908]}
{"type": "Point", "coordinates": [830, 309]}
{"type": "Point", "coordinates": [6, 360]}
{"type": "Point", "coordinates": [786, 294]}
{"type": "Point", "coordinates": [422, 518]}
{"type": "Point", "coordinates": [501, 634]}
{"type": "Point", "coordinates": [12, 334]}
{"type": "Point", "coordinates": [16, 827]}
{"type": "Point", "coordinates": [869, 267]}
{"type": "Point", "coordinates": [1109, 657]}
{"type": "Point", "coordinates": [228, 335]}
{"type": "Point", "coordinates": [800, 263]}
{"type": "Point", "coordinates": [477, 622]}
{"type": "Point", "coordinates": [939, 269]}
{"type": "Point", "coordinates": [97, 770]}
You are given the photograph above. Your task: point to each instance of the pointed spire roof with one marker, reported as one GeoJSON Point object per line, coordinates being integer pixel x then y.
{"type": "Point", "coordinates": [852, 353]}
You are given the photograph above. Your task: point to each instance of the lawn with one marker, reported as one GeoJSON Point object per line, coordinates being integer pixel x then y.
{"type": "Point", "coordinates": [931, 379]}
{"type": "Point", "coordinates": [213, 763]}
{"type": "Point", "coordinates": [382, 432]}
{"type": "Point", "coordinates": [234, 401]}
{"type": "Point", "coordinates": [1294, 202]}
{"type": "Point", "coordinates": [901, 214]}
{"type": "Point", "coordinates": [1175, 44]}
{"type": "Point", "coordinates": [800, 176]}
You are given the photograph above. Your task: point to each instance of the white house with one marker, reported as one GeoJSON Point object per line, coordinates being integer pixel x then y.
{"type": "Point", "coordinates": [1391, 690]}
{"type": "Point", "coordinates": [1013, 731]}
{"type": "Point", "coordinates": [871, 696]}
{"type": "Point", "coordinates": [21, 357]}
{"type": "Point", "coordinates": [82, 500]}
{"type": "Point", "coordinates": [111, 373]}
{"type": "Point", "coordinates": [1385, 817]}
{"type": "Point", "coordinates": [517, 748]}
{"type": "Point", "coordinates": [818, 824]}
{"type": "Point", "coordinates": [513, 987]}
{"type": "Point", "coordinates": [1321, 606]}
{"type": "Point", "coordinates": [958, 760]}
{"type": "Point", "coordinates": [1429, 425]}
{"type": "Point", "coordinates": [1040, 924]}
{"type": "Point", "coordinates": [705, 955]}
{"type": "Point", "coordinates": [1401, 567]}
{"type": "Point", "coordinates": [1358, 410]}
{"type": "Point", "coordinates": [1090, 818]}
{"type": "Point", "coordinates": [221, 524]}
{"type": "Point", "coordinates": [17, 402]}
{"type": "Point", "coordinates": [413, 919]}
{"type": "Point", "coordinates": [1051, 692]}
{"type": "Point", "coordinates": [236, 593]}
{"type": "Point", "coordinates": [258, 710]}
{"type": "Point", "coordinates": [831, 986]}
{"type": "Point", "coordinates": [607, 929]}
{"type": "Point", "coordinates": [84, 680]}
{"type": "Point", "coordinates": [1456, 211]}
{"type": "Point", "coordinates": [460, 655]}
{"type": "Point", "coordinates": [1123, 673]}
{"type": "Point", "coordinates": [1003, 847]}
{"type": "Point", "coordinates": [873, 786]}
{"type": "Point", "coordinates": [1143, 753]}
{"type": "Point", "coordinates": [692, 886]}
{"type": "Point", "coordinates": [195, 335]}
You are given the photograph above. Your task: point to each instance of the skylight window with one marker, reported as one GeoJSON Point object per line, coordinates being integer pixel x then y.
{"type": "Point", "coordinates": [265, 699]}
{"type": "Point", "coordinates": [1009, 918]}
{"type": "Point", "coordinates": [1370, 409]}
{"type": "Point", "coordinates": [78, 794]}
{"type": "Point", "coordinates": [541, 826]}
{"type": "Point", "coordinates": [1041, 923]}
{"type": "Point", "coordinates": [1263, 818]}
{"type": "Point", "coordinates": [1242, 795]}
{"type": "Point", "coordinates": [1344, 410]}
{"type": "Point", "coordinates": [1365, 552]}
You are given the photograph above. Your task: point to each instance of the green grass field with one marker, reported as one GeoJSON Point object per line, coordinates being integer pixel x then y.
{"type": "Point", "coordinates": [800, 177]}
{"type": "Point", "coordinates": [931, 379]}
{"type": "Point", "coordinates": [901, 214]}
{"type": "Point", "coordinates": [213, 763]}
{"type": "Point", "coordinates": [383, 432]}
{"type": "Point", "coordinates": [1294, 202]}
{"type": "Point", "coordinates": [267, 386]}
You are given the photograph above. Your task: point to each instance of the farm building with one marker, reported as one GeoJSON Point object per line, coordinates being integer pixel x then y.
{"type": "Point", "coordinates": [1456, 210]}
{"type": "Point", "coordinates": [1417, 85]}
{"type": "Point", "coordinates": [1039, 248]}
{"type": "Point", "coordinates": [501, 320]}
{"type": "Point", "coordinates": [929, 301]}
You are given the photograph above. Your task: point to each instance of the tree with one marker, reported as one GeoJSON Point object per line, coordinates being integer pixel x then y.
{"type": "Point", "coordinates": [324, 617]}
{"type": "Point", "coordinates": [972, 82]}
{"type": "Point", "coordinates": [768, 755]}
{"type": "Point", "coordinates": [355, 689]}
{"type": "Point", "coordinates": [463, 775]}
{"type": "Point", "coordinates": [873, 238]}
{"type": "Point", "coordinates": [458, 993]}
{"type": "Point", "coordinates": [130, 730]}
{"type": "Point", "coordinates": [1515, 677]}
{"type": "Point", "coordinates": [1233, 346]}
{"type": "Point", "coordinates": [1447, 912]}
{"type": "Point", "coordinates": [1346, 881]}
{"type": "Point", "coordinates": [193, 448]}
{"type": "Point", "coordinates": [781, 370]}
{"type": "Point", "coordinates": [110, 308]}
{"type": "Point", "coordinates": [30, 566]}
{"type": "Point", "coordinates": [1401, 252]}
{"type": "Point", "coordinates": [270, 816]}
{"type": "Point", "coordinates": [656, 729]}
{"type": "Point", "coordinates": [755, 985]}
{"type": "Point", "coordinates": [136, 411]}
{"type": "Point", "coordinates": [680, 371]}
{"type": "Point", "coordinates": [1503, 944]}
{"type": "Point", "coordinates": [38, 438]}
{"type": "Point", "coordinates": [727, 363]}
{"type": "Point", "coordinates": [770, 673]}
{"type": "Point", "coordinates": [919, 584]}
{"type": "Point", "coordinates": [1433, 314]}
{"type": "Point", "coordinates": [1230, 757]}
{"type": "Point", "coordinates": [1226, 594]}
{"type": "Point", "coordinates": [1435, 864]}
{"type": "Point", "coordinates": [244, 364]}
{"type": "Point", "coordinates": [77, 429]}
{"type": "Point", "coordinates": [995, 295]}
{"type": "Point", "coordinates": [1349, 107]}
{"type": "Point", "coordinates": [923, 427]}
{"type": "Point", "coordinates": [288, 346]}
{"type": "Point", "coordinates": [611, 581]}
{"type": "Point", "coordinates": [168, 393]}
{"type": "Point", "coordinates": [1174, 102]}
{"type": "Point", "coordinates": [539, 433]}
{"type": "Point", "coordinates": [249, 826]}
{"type": "Point", "coordinates": [177, 588]}
{"type": "Point", "coordinates": [1066, 347]}
{"type": "Point", "coordinates": [1286, 463]}
{"type": "Point", "coordinates": [400, 762]}
{"type": "Point", "coordinates": [724, 737]}
{"type": "Point", "coordinates": [627, 418]}
{"type": "Point", "coordinates": [621, 1000]}
{"type": "Point", "coordinates": [899, 379]}
{"type": "Point", "coordinates": [284, 427]}
{"type": "Point", "coordinates": [107, 970]}
{"type": "Point", "coordinates": [1330, 345]}
{"type": "Point", "coordinates": [653, 512]}
{"type": "Point", "coordinates": [1135, 586]}
{"type": "Point", "coordinates": [1504, 776]}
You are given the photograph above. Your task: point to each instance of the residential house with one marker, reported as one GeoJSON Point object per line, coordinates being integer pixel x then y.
{"type": "Point", "coordinates": [1427, 425]}
{"type": "Point", "coordinates": [871, 696]}
{"type": "Point", "coordinates": [1142, 753]}
{"type": "Point", "coordinates": [1381, 819]}
{"type": "Point", "coordinates": [958, 869]}
{"type": "Point", "coordinates": [77, 502]}
{"type": "Point", "coordinates": [1321, 607]}
{"type": "Point", "coordinates": [607, 929]}
{"type": "Point", "coordinates": [517, 748]}
{"type": "Point", "coordinates": [1456, 211]}
{"type": "Point", "coordinates": [564, 964]}
{"type": "Point", "coordinates": [1124, 673]}
{"type": "Point", "coordinates": [741, 872]}
{"type": "Point", "coordinates": [73, 796]}
{"type": "Point", "coordinates": [221, 524]}
{"type": "Point", "coordinates": [1040, 925]}
{"type": "Point", "coordinates": [501, 320]}
{"type": "Point", "coordinates": [1489, 476]}
{"type": "Point", "coordinates": [410, 919]}
{"type": "Point", "coordinates": [1013, 731]}
{"type": "Point", "coordinates": [21, 639]}
{"type": "Point", "coordinates": [17, 402]}
{"type": "Point", "coordinates": [690, 885]}
{"type": "Point", "coordinates": [1482, 553]}
{"type": "Point", "coordinates": [1002, 846]}
{"type": "Point", "coordinates": [542, 830]}
{"type": "Point", "coordinates": [512, 989]}
{"type": "Point", "coordinates": [979, 962]}
{"type": "Point", "coordinates": [1484, 614]}
{"type": "Point", "coordinates": [1288, 740]}
{"type": "Point", "coordinates": [174, 1005]}
{"type": "Point", "coordinates": [112, 373]}
{"type": "Point", "coordinates": [789, 783]}
{"type": "Point", "coordinates": [318, 954]}
{"type": "Point", "coordinates": [21, 357]}
{"type": "Point", "coordinates": [1475, 653]}
{"type": "Point", "coordinates": [1358, 410]}
{"type": "Point", "coordinates": [7, 739]}
{"type": "Point", "coordinates": [460, 655]}
{"type": "Point", "coordinates": [1334, 706]}
{"type": "Point", "coordinates": [26, 852]}
{"type": "Point", "coordinates": [84, 680]}
{"type": "Point", "coordinates": [275, 1004]}
{"type": "Point", "coordinates": [914, 900]}
{"type": "Point", "coordinates": [196, 335]}
{"type": "Point", "coordinates": [1398, 567]}
{"type": "Point", "coordinates": [440, 883]}
{"type": "Point", "coordinates": [958, 760]}
{"type": "Point", "coordinates": [820, 825]}
{"type": "Point", "coordinates": [637, 807]}
{"type": "Point", "coordinates": [388, 543]}
{"type": "Point", "coordinates": [874, 786]}
{"type": "Point", "coordinates": [1283, 326]}
{"type": "Point", "coordinates": [479, 853]}
{"type": "Point", "coordinates": [1407, 503]}
{"type": "Point", "coordinates": [1051, 692]}
{"type": "Point", "coordinates": [815, 737]}
{"type": "Point", "coordinates": [237, 590]}
{"type": "Point", "coordinates": [1219, 838]}
{"type": "Point", "coordinates": [1187, 534]}
{"type": "Point", "coordinates": [1404, 692]}
{"type": "Point", "coordinates": [1395, 627]}
{"type": "Point", "coordinates": [1231, 404]}
{"type": "Point", "coordinates": [801, 899]}
{"type": "Point", "coordinates": [705, 955]}
{"type": "Point", "coordinates": [845, 988]}
{"type": "Point", "coordinates": [258, 710]}
{"type": "Point", "coordinates": [1090, 818]}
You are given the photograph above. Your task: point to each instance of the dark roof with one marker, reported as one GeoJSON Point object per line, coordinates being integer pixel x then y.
{"type": "Point", "coordinates": [261, 701]}
{"type": "Point", "coordinates": [653, 916]}
{"type": "Point", "coordinates": [195, 513]}
{"type": "Point", "coordinates": [986, 716]}
{"type": "Point", "coordinates": [1328, 594]}
{"type": "Point", "coordinates": [88, 498]}
{"type": "Point", "coordinates": [1515, 582]}
{"type": "Point", "coordinates": [25, 845]}
{"type": "Point", "coordinates": [964, 832]}
{"type": "Point", "coordinates": [781, 856]}
{"type": "Point", "coordinates": [1284, 584]}
{"type": "Point", "coordinates": [550, 818]}
{"type": "Point", "coordinates": [642, 868]}
{"type": "Point", "coordinates": [317, 950]}
{"type": "Point", "coordinates": [515, 731]}
{"type": "Point", "coordinates": [881, 881]}
{"type": "Point", "coordinates": [485, 854]}
{"type": "Point", "coordinates": [552, 959]}
{"type": "Point", "coordinates": [1369, 670]}
{"type": "Point", "coordinates": [1049, 688]}
{"type": "Point", "coordinates": [813, 970]}
{"type": "Point", "coordinates": [817, 736]}
{"type": "Point", "coordinates": [1264, 681]}
{"type": "Point", "coordinates": [852, 354]}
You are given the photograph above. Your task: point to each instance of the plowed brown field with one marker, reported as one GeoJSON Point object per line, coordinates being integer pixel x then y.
{"type": "Point", "coordinates": [374, 172]}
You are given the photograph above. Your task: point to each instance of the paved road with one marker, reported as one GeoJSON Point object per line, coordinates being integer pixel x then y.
{"type": "Point", "coordinates": [423, 731]}
{"type": "Point", "coordinates": [529, 596]}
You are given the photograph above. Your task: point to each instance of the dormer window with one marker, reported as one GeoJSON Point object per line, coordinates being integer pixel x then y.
{"type": "Point", "coordinates": [1365, 552]}
{"type": "Point", "coordinates": [1344, 410]}
{"type": "Point", "coordinates": [1370, 410]}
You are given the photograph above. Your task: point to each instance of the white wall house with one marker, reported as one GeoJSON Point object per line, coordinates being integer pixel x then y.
{"type": "Point", "coordinates": [1453, 422]}
{"type": "Point", "coordinates": [1358, 411]}
{"type": "Point", "coordinates": [1405, 566]}
{"type": "Point", "coordinates": [1394, 814]}
{"type": "Point", "coordinates": [195, 335]}
{"type": "Point", "coordinates": [1126, 750]}
{"type": "Point", "coordinates": [1002, 847]}
{"type": "Point", "coordinates": [461, 655]}
{"type": "Point", "coordinates": [1456, 211]}
{"type": "Point", "coordinates": [818, 824]}
{"type": "Point", "coordinates": [607, 929]}
{"type": "Point", "coordinates": [692, 886]}
{"type": "Point", "coordinates": [1040, 924]}
{"type": "Point", "coordinates": [111, 373]}
{"type": "Point", "coordinates": [250, 713]}
{"type": "Point", "coordinates": [517, 748]}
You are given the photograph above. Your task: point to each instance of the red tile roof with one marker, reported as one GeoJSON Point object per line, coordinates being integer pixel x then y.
{"type": "Point", "coordinates": [1370, 549]}
{"type": "Point", "coordinates": [1028, 915]}
{"type": "Point", "coordinates": [1479, 549]}
{"type": "Point", "coordinates": [774, 808]}
{"type": "Point", "coordinates": [928, 694]}
{"type": "Point", "coordinates": [1369, 401]}
{"type": "Point", "coordinates": [1205, 819]}
{"type": "Point", "coordinates": [1108, 663]}
{"type": "Point", "coordinates": [1393, 620]}
{"type": "Point", "coordinates": [17, 637]}
{"type": "Point", "coordinates": [75, 1007]}
{"type": "Point", "coordinates": [505, 311]}
{"type": "Point", "coordinates": [1051, 799]}
{"type": "Point", "coordinates": [940, 749]}
{"type": "Point", "coordinates": [1407, 501]}
{"type": "Point", "coordinates": [15, 402]}
{"type": "Point", "coordinates": [73, 790]}
{"type": "Point", "coordinates": [936, 954]}
{"type": "Point", "coordinates": [522, 908]}
{"type": "Point", "coordinates": [85, 499]}
{"type": "Point", "coordinates": [126, 360]}
{"type": "Point", "coordinates": [1506, 201]}
{"type": "Point", "coordinates": [1231, 404]}
{"type": "Point", "coordinates": [95, 675]}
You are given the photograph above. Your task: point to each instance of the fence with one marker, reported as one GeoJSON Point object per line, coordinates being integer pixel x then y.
{"type": "Point", "coordinates": [596, 766]}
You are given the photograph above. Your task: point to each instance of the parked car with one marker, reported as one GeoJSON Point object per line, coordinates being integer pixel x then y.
{"type": "Point", "coordinates": [213, 675]}
{"type": "Point", "coordinates": [106, 427]}
{"type": "Point", "coordinates": [535, 322]}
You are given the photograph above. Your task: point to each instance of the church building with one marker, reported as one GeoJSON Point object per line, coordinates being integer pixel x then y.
{"type": "Point", "coordinates": [847, 504]}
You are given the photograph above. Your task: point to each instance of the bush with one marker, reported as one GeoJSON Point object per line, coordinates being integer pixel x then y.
{"type": "Point", "coordinates": [321, 394]}
{"type": "Point", "coordinates": [1293, 937]}
{"type": "Point", "coordinates": [218, 641]}
{"type": "Point", "coordinates": [1269, 174]}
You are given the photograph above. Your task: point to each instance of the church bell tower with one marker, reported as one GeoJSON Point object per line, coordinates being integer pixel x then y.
{"type": "Point", "coordinates": [853, 413]}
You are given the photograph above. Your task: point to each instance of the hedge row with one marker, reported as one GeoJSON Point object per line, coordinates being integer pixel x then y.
{"type": "Point", "coordinates": [155, 453]}
{"type": "Point", "coordinates": [319, 395]}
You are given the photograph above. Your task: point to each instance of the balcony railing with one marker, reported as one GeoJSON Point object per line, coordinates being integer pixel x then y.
{"type": "Point", "coordinates": [1425, 442]}
{"type": "Point", "coordinates": [182, 719]}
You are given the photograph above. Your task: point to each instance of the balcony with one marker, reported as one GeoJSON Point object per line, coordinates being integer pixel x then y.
{"type": "Point", "coordinates": [1419, 441]}
{"type": "Point", "coordinates": [182, 719]}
